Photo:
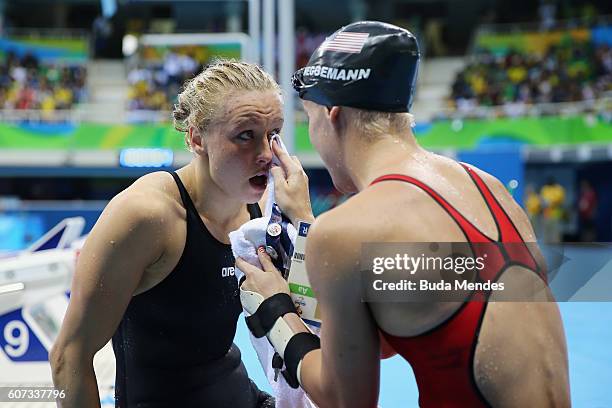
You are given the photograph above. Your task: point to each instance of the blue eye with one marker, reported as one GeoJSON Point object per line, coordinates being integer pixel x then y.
{"type": "Point", "coordinates": [245, 136]}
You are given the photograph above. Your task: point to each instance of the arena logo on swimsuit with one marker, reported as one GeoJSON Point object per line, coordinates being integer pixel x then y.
{"type": "Point", "coordinates": [227, 271]}
{"type": "Point", "coordinates": [337, 74]}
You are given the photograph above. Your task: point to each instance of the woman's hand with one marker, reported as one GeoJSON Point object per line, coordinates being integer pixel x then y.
{"type": "Point", "coordinates": [291, 187]}
{"type": "Point", "coordinates": [266, 282]}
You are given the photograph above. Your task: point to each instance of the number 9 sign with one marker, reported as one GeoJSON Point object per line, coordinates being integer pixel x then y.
{"type": "Point", "coordinates": [17, 344]}
{"type": "Point", "coordinates": [17, 341]}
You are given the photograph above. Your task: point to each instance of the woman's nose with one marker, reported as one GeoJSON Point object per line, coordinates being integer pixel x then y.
{"type": "Point", "coordinates": [265, 152]}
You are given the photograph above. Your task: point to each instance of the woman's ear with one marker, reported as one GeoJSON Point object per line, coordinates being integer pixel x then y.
{"type": "Point", "coordinates": [333, 114]}
{"type": "Point", "coordinates": [196, 141]}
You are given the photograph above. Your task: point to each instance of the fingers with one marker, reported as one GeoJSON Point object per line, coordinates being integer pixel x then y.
{"type": "Point", "coordinates": [280, 182]}
{"type": "Point", "coordinates": [246, 267]}
{"type": "Point", "coordinates": [278, 174]}
{"type": "Point", "coordinates": [287, 163]}
{"type": "Point", "coordinates": [278, 150]}
{"type": "Point", "coordinates": [298, 165]}
{"type": "Point", "coordinates": [265, 260]}
{"type": "Point", "coordinates": [296, 161]}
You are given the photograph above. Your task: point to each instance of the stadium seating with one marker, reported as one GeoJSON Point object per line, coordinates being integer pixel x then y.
{"type": "Point", "coordinates": [569, 71]}
{"type": "Point", "coordinates": [27, 83]}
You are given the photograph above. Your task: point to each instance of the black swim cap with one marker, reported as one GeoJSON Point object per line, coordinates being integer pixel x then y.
{"type": "Point", "coordinates": [367, 65]}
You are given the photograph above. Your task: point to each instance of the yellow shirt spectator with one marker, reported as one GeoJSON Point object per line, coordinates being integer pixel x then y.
{"type": "Point", "coordinates": [47, 106]}
{"type": "Point", "coordinates": [517, 74]}
{"type": "Point", "coordinates": [533, 204]}
{"type": "Point", "coordinates": [553, 196]}
{"type": "Point", "coordinates": [63, 97]}
{"type": "Point", "coordinates": [478, 83]}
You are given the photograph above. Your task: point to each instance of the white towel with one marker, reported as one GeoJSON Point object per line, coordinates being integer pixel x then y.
{"type": "Point", "coordinates": [245, 241]}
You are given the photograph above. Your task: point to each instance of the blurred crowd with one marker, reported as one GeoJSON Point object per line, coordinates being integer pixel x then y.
{"type": "Point", "coordinates": [548, 211]}
{"type": "Point", "coordinates": [305, 44]}
{"type": "Point", "coordinates": [156, 85]}
{"type": "Point", "coordinates": [27, 83]}
{"type": "Point", "coordinates": [568, 72]}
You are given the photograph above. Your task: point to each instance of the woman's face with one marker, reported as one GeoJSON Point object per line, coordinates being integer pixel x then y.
{"type": "Point", "coordinates": [326, 142]}
{"type": "Point", "coordinates": [237, 142]}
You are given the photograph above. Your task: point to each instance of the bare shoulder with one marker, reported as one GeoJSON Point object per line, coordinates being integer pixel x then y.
{"type": "Point", "coordinates": [498, 189]}
{"type": "Point", "coordinates": [130, 236]}
{"type": "Point", "coordinates": [340, 228]}
{"type": "Point", "coordinates": [143, 209]}
{"type": "Point", "coordinates": [332, 253]}
{"type": "Point", "coordinates": [496, 186]}
{"type": "Point", "coordinates": [160, 186]}
{"type": "Point", "coordinates": [335, 240]}
{"type": "Point", "coordinates": [508, 203]}
{"type": "Point", "coordinates": [152, 196]}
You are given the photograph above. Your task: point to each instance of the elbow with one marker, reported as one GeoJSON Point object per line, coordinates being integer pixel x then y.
{"type": "Point", "coordinates": [63, 358]}
{"type": "Point", "coordinates": [69, 356]}
{"type": "Point", "coordinates": [57, 360]}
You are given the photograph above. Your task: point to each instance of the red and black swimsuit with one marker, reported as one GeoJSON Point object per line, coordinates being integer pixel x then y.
{"type": "Point", "coordinates": [442, 358]}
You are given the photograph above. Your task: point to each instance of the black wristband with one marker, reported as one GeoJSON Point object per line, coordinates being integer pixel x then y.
{"type": "Point", "coordinates": [299, 345]}
{"type": "Point", "coordinates": [262, 321]}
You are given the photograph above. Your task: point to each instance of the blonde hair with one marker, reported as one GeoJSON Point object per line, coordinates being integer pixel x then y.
{"type": "Point", "coordinates": [202, 96]}
{"type": "Point", "coordinates": [375, 124]}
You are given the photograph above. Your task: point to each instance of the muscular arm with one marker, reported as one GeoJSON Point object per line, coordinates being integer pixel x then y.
{"type": "Point", "coordinates": [125, 240]}
{"type": "Point", "coordinates": [345, 371]}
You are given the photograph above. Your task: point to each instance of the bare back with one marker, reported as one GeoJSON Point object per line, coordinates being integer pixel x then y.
{"type": "Point", "coordinates": [520, 356]}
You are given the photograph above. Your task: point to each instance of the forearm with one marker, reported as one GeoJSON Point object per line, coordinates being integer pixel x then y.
{"type": "Point", "coordinates": [323, 390]}
{"type": "Point", "coordinates": [311, 374]}
{"type": "Point", "coordinates": [313, 380]}
{"type": "Point", "coordinates": [76, 377]}
{"type": "Point", "coordinates": [295, 323]}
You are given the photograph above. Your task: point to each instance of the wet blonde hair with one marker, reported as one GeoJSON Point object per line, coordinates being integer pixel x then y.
{"type": "Point", "coordinates": [202, 96]}
{"type": "Point", "coordinates": [375, 124]}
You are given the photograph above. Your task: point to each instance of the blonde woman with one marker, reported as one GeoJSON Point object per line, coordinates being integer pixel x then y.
{"type": "Point", "coordinates": [156, 273]}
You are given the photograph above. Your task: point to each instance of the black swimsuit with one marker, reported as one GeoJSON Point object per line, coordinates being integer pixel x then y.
{"type": "Point", "coordinates": [174, 344]}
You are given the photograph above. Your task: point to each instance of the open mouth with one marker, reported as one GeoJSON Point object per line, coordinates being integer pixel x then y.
{"type": "Point", "coordinates": [259, 181]}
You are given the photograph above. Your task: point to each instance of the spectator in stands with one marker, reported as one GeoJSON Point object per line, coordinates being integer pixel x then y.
{"type": "Point", "coordinates": [569, 71]}
{"type": "Point", "coordinates": [164, 76]}
{"type": "Point", "coordinates": [154, 87]}
{"type": "Point", "coordinates": [172, 67]}
{"type": "Point", "coordinates": [29, 61]}
{"type": "Point", "coordinates": [553, 198]}
{"type": "Point", "coordinates": [301, 47]}
{"type": "Point", "coordinates": [433, 37]}
{"type": "Point", "coordinates": [533, 206]}
{"type": "Point", "coordinates": [547, 11]}
{"type": "Point", "coordinates": [30, 84]}
{"type": "Point", "coordinates": [587, 212]}
{"type": "Point", "coordinates": [25, 98]}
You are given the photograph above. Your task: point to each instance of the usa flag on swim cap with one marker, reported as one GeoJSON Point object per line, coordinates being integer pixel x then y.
{"type": "Point", "coordinates": [346, 42]}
